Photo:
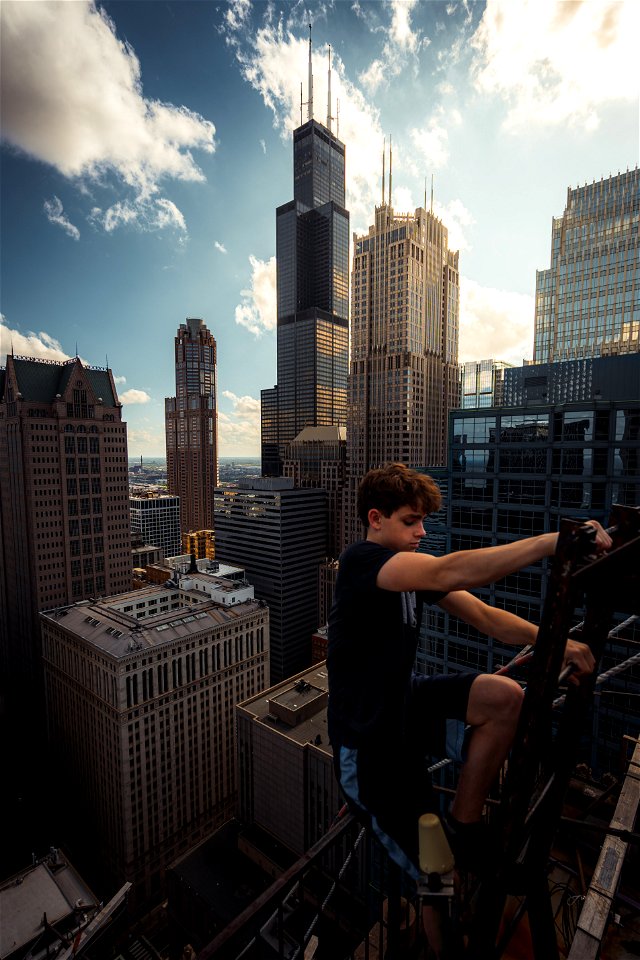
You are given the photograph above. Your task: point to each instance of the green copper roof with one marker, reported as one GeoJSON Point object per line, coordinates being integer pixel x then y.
{"type": "Point", "coordinates": [42, 381]}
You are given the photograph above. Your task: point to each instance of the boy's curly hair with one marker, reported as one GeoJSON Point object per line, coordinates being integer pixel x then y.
{"type": "Point", "coordinates": [393, 486]}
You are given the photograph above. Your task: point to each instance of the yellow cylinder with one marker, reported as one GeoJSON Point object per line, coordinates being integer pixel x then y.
{"type": "Point", "coordinates": [434, 850]}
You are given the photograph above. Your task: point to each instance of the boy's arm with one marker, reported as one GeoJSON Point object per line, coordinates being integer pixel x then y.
{"type": "Point", "coordinates": [492, 621]}
{"type": "Point", "coordinates": [471, 568]}
{"type": "Point", "coordinates": [509, 628]}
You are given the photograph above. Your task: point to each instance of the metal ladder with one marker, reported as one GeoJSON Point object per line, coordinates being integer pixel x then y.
{"type": "Point", "coordinates": [541, 765]}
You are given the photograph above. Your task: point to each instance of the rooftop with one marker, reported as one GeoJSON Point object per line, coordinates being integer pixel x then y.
{"type": "Point", "coordinates": [117, 634]}
{"type": "Point", "coordinates": [296, 708]}
{"type": "Point", "coordinates": [51, 887]}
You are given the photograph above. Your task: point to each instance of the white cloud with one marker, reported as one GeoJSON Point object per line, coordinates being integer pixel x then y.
{"type": "Point", "coordinates": [220, 247]}
{"type": "Point", "coordinates": [239, 430]}
{"type": "Point", "coordinates": [430, 145]}
{"type": "Point", "coordinates": [53, 209]}
{"type": "Point", "coordinates": [134, 396]}
{"type": "Point", "coordinates": [257, 312]}
{"type": "Point", "coordinates": [73, 98]}
{"type": "Point", "coordinates": [168, 215]}
{"type": "Point", "coordinates": [458, 221]}
{"type": "Point", "coordinates": [40, 345]}
{"type": "Point", "coordinates": [119, 380]}
{"type": "Point", "coordinates": [400, 32]}
{"type": "Point", "coordinates": [494, 324]}
{"type": "Point", "coordinates": [144, 441]}
{"type": "Point", "coordinates": [237, 14]}
{"type": "Point", "coordinates": [143, 213]}
{"type": "Point", "coordinates": [557, 61]}
{"type": "Point", "coordinates": [402, 42]}
{"type": "Point", "coordinates": [263, 145]}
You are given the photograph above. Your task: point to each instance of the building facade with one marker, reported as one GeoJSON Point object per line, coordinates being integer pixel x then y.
{"type": "Point", "coordinates": [64, 501]}
{"type": "Point", "coordinates": [286, 782]}
{"type": "Point", "coordinates": [594, 378]}
{"type": "Point", "coordinates": [404, 376]}
{"type": "Point", "coordinates": [141, 690]}
{"type": "Point", "coordinates": [317, 457]}
{"type": "Point", "coordinates": [202, 543]}
{"type": "Point", "coordinates": [191, 421]}
{"type": "Point", "coordinates": [404, 342]}
{"type": "Point", "coordinates": [516, 472]}
{"type": "Point", "coordinates": [588, 301]}
{"type": "Point", "coordinates": [279, 535]}
{"type": "Point", "coordinates": [156, 518]}
{"type": "Point", "coordinates": [312, 264]}
{"type": "Point", "coordinates": [482, 383]}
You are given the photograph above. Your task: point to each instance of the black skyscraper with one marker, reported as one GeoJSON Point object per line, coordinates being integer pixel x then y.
{"type": "Point", "coordinates": [312, 255]}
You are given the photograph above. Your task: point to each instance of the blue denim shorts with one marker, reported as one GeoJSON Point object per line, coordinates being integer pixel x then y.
{"type": "Point", "coordinates": [385, 781]}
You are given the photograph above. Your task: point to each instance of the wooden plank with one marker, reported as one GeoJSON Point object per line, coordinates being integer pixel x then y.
{"type": "Point", "coordinates": [593, 918]}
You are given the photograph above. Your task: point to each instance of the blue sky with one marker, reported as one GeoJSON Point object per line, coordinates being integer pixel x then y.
{"type": "Point", "coordinates": [146, 145]}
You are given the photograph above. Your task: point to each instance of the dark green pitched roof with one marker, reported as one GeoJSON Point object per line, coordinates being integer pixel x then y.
{"type": "Point", "coordinates": [37, 380]}
{"type": "Point", "coordinates": [101, 385]}
{"type": "Point", "coordinates": [41, 381]}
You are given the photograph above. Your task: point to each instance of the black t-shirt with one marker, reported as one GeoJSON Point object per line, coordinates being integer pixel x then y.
{"type": "Point", "coordinates": [373, 636]}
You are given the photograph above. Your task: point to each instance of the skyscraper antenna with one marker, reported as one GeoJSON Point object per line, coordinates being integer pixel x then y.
{"type": "Point", "coordinates": [310, 102]}
{"type": "Point", "coordinates": [384, 147]}
{"type": "Point", "coordinates": [390, 167]}
{"type": "Point", "coordinates": [76, 349]}
{"type": "Point", "coordinates": [329, 93]}
{"type": "Point", "coordinates": [337, 118]}
{"type": "Point", "coordinates": [425, 193]}
{"type": "Point", "coordinates": [301, 103]}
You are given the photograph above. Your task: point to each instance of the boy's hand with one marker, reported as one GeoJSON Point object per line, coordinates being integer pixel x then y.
{"type": "Point", "coordinates": [602, 541]}
{"type": "Point", "coordinates": [579, 656]}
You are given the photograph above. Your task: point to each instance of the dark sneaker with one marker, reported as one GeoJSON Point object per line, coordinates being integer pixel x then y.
{"type": "Point", "coordinates": [472, 845]}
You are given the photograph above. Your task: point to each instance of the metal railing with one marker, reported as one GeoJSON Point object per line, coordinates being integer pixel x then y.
{"type": "Point", "coordinates": [344, 891]}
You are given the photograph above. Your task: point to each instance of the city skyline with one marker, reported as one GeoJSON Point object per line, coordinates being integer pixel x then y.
{"type": "Point", "coordinates": [142, 162]}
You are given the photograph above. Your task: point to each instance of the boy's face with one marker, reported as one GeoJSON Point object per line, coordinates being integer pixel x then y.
{"type": "Point", "coordinates": [402, 531]}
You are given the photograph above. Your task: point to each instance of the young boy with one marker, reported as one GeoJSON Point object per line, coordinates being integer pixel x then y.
{"type": "Point", "coordinates": [383, 719]}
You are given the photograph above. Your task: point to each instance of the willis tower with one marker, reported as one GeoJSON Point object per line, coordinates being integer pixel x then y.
{"type": "Point", "coordinates": [312, 261]}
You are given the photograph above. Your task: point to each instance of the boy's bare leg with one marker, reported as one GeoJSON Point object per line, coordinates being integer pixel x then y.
{"type": "Point", "coordinates": [493, 711]}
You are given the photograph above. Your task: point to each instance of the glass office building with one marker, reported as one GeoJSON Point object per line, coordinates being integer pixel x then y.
{"type": "Point", "coordinates": [482, 383]}
{"type": "Point", "coordinates": [516, 472]}
{"type": "Point", "coordinates": [588, 301]}
{"type": "Point", "coordinates": [312, 257]}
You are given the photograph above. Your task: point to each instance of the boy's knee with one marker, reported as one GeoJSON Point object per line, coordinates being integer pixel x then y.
{"type": "Point", "coordinates": [510, 696]}
{"type": "Point", "coordinates": [494, 698]}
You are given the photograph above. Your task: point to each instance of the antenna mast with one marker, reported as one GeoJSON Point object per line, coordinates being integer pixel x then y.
{"type": "Point", "coordinates": [384, 146]}
{"type": "Point", "coordinates": [390, 163]}
{"type": "Point", "coordinates": [329, 118]}
{"type": "Point", "coordinates": [310, 103]}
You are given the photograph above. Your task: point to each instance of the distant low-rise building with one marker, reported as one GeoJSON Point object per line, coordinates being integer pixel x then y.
{"type": "Point", "coordinates": [200, 543]}
{"type": "Point", "coordinates": [482, 383]}
{"type": "Point", "coordinates": [155, 517]}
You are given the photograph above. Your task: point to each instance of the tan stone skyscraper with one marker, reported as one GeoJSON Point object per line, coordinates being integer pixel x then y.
{"type": "Point", "coordinates": [404, 345]}
{"type": "Point", "coordinates": [191, 420]}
